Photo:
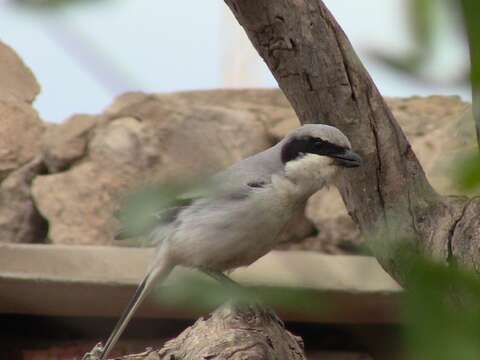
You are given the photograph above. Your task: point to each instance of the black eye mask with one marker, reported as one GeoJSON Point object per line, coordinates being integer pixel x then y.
{"type": "Point", "coordinates": [298, 147]}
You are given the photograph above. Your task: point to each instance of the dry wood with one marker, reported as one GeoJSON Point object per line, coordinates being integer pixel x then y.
{"type": "Point", "coordinates": [231, 333]}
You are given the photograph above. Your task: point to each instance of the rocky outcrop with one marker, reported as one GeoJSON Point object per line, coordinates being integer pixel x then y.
{"type": "Point", "coordinates": [149, 139]}
{"type": "Point", "coordinates": [16, 79]}
{"type": "Point", "coordinates": [20, 221]}
{"type": "Point", "coordinates": [21, 132]}
{"type": "Point", "coordinates": [70, 178]}
{"type": "Point", "coordinates": [20, 128]}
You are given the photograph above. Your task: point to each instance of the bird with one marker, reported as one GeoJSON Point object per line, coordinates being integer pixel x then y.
{"type": "Point", "coordinates": [241, 214]}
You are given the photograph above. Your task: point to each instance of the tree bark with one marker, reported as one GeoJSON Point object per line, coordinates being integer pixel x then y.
{"type": "Point", "coordinates": [389, 197]}
{"type": "Point", "coordinates": [231, 333]}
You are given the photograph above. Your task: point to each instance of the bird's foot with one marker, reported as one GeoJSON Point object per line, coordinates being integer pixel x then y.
{"type": "Point", "coordinates": [95, 353]}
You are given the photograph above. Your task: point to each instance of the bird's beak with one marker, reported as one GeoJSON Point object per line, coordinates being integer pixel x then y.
{"type": "Point", "coordinates": [348, 159]}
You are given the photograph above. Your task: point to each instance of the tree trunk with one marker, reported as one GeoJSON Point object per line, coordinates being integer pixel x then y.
{"type": "Point", "coordinates": [389, 197]}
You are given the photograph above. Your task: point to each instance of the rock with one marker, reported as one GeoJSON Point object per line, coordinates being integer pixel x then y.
{"type": "Point", "coordinates": [441, 130]}
{"type": "Point", "coordinates": [20, 221]}
{"type": "Point", "coordinates": [16, 79]}
{"type": "Point", "coordinates": [302, 228]}
{"type": "Point", "coordinates": [124, 100]}
{"type": "Point", "coordinates": [20, 135]}
{"type": "Point", "coordinates": [149, 139]}
{"type": "Point", "coordinates": [65, 143]}
{"type": "Point", "coordinates": [336, 232]}
{"type": "Point", "coordinates": [20, 132]}
{"type": "Point", "coordinates": [20, 126]}
{"type": "Point", "coordinates": [271, 106]}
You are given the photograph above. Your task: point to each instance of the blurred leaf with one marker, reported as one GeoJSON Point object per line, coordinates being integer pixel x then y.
{"type": "Point", "coordinates": [471, 16]}
{"type": "Point", "coordinates": [423, 21]}
{"type": "Point", "coordinates": [468, 172]}
{"type": "Point", "coordinates": [442, 309]}
{"type": "Point", "coordinates": [152, 205]}
{"type": "Point", "coordinates": [203, 294]}
{"type": "Point", "coordinates": [410, 63]}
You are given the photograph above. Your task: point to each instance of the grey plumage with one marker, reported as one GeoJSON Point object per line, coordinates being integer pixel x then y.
{"type": "Point", "coordinates": [237, 216]}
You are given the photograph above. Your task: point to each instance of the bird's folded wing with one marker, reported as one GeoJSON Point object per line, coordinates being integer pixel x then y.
{"type": "Point", "coordinates": [160, 208]}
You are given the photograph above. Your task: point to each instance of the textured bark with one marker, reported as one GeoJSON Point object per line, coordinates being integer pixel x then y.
{"type": "Point", "coordinates": [320, 74]}
{"type": "Point", "coordinates": [231, 333]}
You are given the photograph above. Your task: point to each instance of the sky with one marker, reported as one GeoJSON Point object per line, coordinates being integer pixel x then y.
{"type": "Point", "coordinates": [85, 54]}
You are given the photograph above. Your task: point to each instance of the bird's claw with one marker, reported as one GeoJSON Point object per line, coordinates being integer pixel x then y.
{"type": "Point", "coordinates": [95, 353]}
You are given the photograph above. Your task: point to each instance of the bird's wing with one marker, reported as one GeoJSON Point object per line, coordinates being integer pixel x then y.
{"type": "Point", "coordinates": [156, 208]}
{"type": "Point", "coordinates": [143, 210]}
{"type": "Point", "coordinates": [162, 206]}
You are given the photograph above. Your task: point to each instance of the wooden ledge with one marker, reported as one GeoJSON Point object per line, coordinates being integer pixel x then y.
{"type": "Point", "coordinates": [60, 280]}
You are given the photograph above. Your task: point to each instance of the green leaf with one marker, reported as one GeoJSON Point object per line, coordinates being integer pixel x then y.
{"type": "Point", "coordinates": [442, 310]}
{"type": "Point", "coordinates": [423, 25]}
{"type": "Point", "coordinates": [144, 208]}
{"type": "Point", "coordinates": [200, 293]}
{"type": "Point", "coordinates": [471, 16]}
{"type": "Point", "coordinates": [468, 172]}
{"type": "Point", "coordinates": [422, 18]}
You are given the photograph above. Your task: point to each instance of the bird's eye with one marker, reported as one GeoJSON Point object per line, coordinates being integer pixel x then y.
{"type": "Point", "coordinates": [318, 144]}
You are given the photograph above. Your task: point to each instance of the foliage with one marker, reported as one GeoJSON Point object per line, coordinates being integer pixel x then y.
{"type": "Point", "coordinates": [423, 22]}
{"type": "Point", "coordinates": [468, 172]}
{"type": "Point", "coordinates": [442, 311]}
{"type": "Point", "coordinates": [145, 208]}
{"type": "Point", "coordinates": [197, 292]}
{"type": "Point", "coordinates": [471, 15]}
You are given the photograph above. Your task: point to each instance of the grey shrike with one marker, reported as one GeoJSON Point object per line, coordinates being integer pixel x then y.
{"type": "Point", "coordinates": [249, 205]}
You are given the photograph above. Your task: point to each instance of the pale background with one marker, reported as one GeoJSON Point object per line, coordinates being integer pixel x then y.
{"type": "Point", "coordinates": [85, 54]}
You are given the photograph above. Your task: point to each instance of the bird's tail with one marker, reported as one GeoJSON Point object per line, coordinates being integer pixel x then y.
{"type": "Point", "coordinates": [155, 275]}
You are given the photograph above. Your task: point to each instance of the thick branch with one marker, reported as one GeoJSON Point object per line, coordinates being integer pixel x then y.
{"type": "Point", "coordinates": [320, 74]}
{"type": "Point", "coordinates": [231, 333]}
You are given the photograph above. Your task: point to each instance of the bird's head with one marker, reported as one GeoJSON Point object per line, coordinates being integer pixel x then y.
{"type": "Point", "coordinates": [316, 154]}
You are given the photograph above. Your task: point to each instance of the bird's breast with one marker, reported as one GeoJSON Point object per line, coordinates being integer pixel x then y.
{"type": "Point", "coordinates": [225, 235]}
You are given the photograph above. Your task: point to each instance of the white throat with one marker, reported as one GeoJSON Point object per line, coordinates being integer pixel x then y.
{"type": "Point", "coordinates": [310, 173]}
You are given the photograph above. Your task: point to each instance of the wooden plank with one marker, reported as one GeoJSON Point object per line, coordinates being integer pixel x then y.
{"type": "Point", "coordinates": [60, 280]}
